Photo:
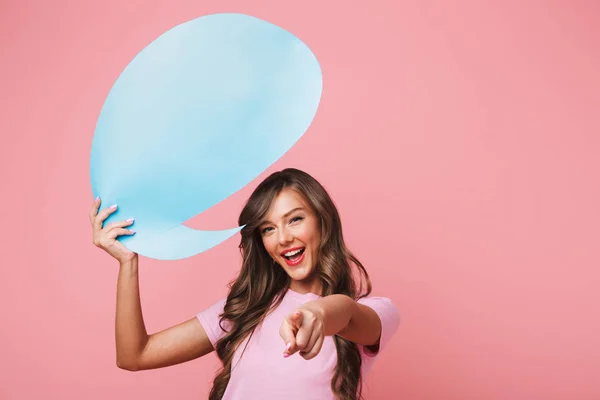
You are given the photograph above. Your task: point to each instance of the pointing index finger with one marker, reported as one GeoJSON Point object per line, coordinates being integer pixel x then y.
{"type": "Point", "coordinates": [287, 333]}
{"type": "Point", "coordinates": [294, 322]}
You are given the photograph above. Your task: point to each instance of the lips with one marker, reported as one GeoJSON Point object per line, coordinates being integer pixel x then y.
{"type": "Point", "coordinates": [296, 258]}
{"type": "Point", "coordinates": [288, 250]}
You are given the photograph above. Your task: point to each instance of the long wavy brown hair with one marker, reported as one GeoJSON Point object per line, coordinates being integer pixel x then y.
{"type": "Point", "coordinates": [261, 284]}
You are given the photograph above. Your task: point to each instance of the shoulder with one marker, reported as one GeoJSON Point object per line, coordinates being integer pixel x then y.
{"type": "Point", "coordinates": [383, 306]}
{"type": "Point", "coordinates": [389, 317]}
{"type": "Point", "coordinates": [210, 318]}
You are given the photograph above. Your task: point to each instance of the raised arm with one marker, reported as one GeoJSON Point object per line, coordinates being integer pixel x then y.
{"type": "Point", "coordinates": [135, 349]}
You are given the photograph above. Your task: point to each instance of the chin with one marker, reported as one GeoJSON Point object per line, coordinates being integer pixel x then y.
{"type": "Point", "coordinates": [300, 273]}
{"type": "Point", "coordinates": [295, 276]}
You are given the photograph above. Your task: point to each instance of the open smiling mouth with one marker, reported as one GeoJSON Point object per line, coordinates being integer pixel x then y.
{"type": "Point", "coordinates": [294, 257]}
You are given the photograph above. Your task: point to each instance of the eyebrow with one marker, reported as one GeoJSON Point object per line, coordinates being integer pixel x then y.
{"type": "Point", "coordinates": [287, 214]}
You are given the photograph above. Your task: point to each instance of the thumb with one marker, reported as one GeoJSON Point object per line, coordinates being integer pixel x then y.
{"type": "Point", "coordinates": [295, 320]}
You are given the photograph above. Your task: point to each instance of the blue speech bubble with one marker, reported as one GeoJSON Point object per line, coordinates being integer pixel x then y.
{"type": "Point", "coordinates": [198, 114]}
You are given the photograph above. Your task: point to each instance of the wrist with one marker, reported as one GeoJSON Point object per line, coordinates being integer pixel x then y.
{"type": "Point", "coordinates": [129, 263]}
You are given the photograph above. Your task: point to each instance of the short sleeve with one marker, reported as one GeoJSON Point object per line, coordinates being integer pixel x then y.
{"type": "Point", "coordinates": [209, 318]}
{"type": "Point", "coordinates": [390, 320]}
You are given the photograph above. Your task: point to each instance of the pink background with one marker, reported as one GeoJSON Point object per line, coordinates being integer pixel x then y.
{"type": "Point", "coordinates": [459, 140]}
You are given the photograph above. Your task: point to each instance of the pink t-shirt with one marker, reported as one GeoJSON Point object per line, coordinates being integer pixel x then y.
{"type": "Point", "coordinates": [263, 373]}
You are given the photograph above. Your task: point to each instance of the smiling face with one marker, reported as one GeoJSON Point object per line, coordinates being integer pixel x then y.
{"type": "Point", "coordinates": [291, 235]}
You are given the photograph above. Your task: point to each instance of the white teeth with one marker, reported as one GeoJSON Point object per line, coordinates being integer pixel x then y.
{"type": "Point", "coordinates": [291, 253]}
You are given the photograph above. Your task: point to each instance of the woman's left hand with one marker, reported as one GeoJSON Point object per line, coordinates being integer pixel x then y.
{"type": "Point", "coordinates": [303, 331]}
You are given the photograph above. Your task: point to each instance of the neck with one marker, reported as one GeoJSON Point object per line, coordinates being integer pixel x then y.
{"type": "Point", "coordinates": [306, 286]}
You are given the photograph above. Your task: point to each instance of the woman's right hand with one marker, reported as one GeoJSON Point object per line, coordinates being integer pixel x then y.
{"type": "Point", "coordinates": [106, 238]}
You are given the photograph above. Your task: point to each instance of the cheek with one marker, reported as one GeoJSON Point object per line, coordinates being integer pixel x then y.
{"type": "Point", "coordinates": [269, 244]}
{"type": "Point", "coordinates": [312, 236]}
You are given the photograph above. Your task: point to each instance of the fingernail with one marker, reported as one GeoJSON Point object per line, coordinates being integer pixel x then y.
{"type": "Point", "coordinates": [130, 220]}
{"type": "Point", "coordinates": [285, 355]}
{"type": "Point", "coordinates": [113, 207]}
{"type": "Point", "coordinates": [97, 198]}
{"type": "Point", "coordinates": [289, 346]}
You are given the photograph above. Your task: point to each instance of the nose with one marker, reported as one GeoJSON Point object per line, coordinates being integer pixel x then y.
{"type": "Point", "coordinates": [285, 237]}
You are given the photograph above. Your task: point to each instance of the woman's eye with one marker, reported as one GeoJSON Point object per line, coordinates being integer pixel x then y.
{"type": "Point", "coordinates": [296, 219]}
{"type": "Point", "coordinates": [266, 230]}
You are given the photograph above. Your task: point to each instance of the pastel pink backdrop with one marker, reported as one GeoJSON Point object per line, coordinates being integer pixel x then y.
{"type": "Point", "coordinates": [460, 141]}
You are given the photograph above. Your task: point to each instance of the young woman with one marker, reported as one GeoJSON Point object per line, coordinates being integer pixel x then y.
{"type": "Point", "coordinates": [297, 323]}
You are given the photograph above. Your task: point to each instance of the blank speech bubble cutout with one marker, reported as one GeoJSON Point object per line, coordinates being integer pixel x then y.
{"type": "Point", "coordinates": [198, 114]}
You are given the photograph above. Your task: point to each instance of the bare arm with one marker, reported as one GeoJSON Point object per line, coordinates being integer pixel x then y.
{"type": "Point", "coordinates": [352, 321]}
{"type": "Point", "coordinates": [136, 350]}
{"type": "Point", "coordinates": [364, 326]}
{"type": "Point", "coordinates": [305, 329]}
